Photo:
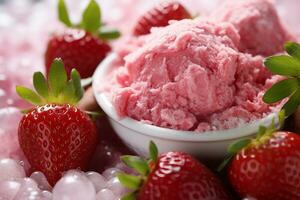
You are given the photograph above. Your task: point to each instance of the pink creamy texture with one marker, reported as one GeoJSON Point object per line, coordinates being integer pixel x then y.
{"type": "Point", "coordinates": [258, 24]}
{"type": "Point", "coordinates": [23, 38]}
{"type": "Point", "coordinates": [193, 74]}
{"type": "Point", "coordinates": [163, 77]}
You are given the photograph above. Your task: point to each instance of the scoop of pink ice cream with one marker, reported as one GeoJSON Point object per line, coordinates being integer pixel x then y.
{"type": "Point", "coordinates": [183, 74]}
{"type": "Point", "coordinates": [190, 75]}
{"type": "Point", "coordinates": [258, 24]}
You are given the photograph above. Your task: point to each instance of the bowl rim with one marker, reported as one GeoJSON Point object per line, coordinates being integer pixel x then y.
{"type": "Point", "coordinates": [244, 130]}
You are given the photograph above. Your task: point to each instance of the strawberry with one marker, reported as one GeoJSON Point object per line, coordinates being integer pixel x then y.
{"type": "Point", "coordinates": [159, 16]}
{"type": "Point", "coordinates": [173, 175]}
{"type": "Point", "coordinates": [55, 135]}
{"type": "Point", "coordinates": [81, 46]}
{"type": "Point", "coordinates": [267, 167]}
{"type": "Point", "coordinates": [77, 48]}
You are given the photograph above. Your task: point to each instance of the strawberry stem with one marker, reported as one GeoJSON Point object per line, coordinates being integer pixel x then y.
{"type": "Point", "coordinates": [91, 17]}
{"type": "Point", "coordinates": [153, 152]}
{"type": "Point", "coordinates": [57, 89]}
{"type": "Point", "coordinates": [91, 21]}
{"type": "Point", "coordinates": [140, 165]}
{"type": "Point", "coordinates": [108, 34]}
{"type": "Point", "coordinates": [63, 14]}
{"type": "Point", "coordinates": [130, 181]}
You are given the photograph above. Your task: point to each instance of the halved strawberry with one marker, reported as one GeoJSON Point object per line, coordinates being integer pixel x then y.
{"type": "Point", "coordinates": [159, 16]}
{"type": "Point", "coordinates": [267, 167]}
{"type": "Point", "coordinates": [82, 46]}
{"type": "Point", "coordinates": [55, 135]}
{"type": "Point", "coordinates": [173, 175]}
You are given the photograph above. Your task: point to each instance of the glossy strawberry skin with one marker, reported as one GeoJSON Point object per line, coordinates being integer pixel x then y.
{"type": "Point", "coordinates": [178, 176]}
{"type": "Point", "coordinates": [78, 49]}
{"type": "Point", "coordinates": [270, 171]}
{"type": "Point", "coordinates": [160, 16]}
{"type": "Point", "coordinates": [56, 138]}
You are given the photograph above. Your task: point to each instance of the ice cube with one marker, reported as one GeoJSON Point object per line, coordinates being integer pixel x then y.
{"type": "Point", "coordinates": [115, 186]}
{"type": "Point", "coordinates": [41, 180]}
{"type": "Point", "coordinates": [98, 180]}
{"type": "Point", "coordinates": [9, 189]}
{"type": "Point", "coordinates": [10, 169]}
{"type": "Point", "coordinates": [74, 185]}
{"type": "Point", "coordinates": [28, 190]}
{"type": "Point", "coordinates": [106, 194]}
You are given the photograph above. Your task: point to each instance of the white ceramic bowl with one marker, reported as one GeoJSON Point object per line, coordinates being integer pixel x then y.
{"type": "Point", "coordinates": [208, 146]}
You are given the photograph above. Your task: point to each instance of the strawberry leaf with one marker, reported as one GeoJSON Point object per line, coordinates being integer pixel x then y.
{"type": "Point", "coordinates": [153, 151]}
{"type": "Point", "coordinates": [25, 111]}
{"type": "Point", "coordinates": [68, 93]}
{"type": "Point", "coordinates": [138, 164]}
{"type": "Point", "coordinates": [261, 131]}
{"type": "Point", "coordinates": [57, 89]}
{"type": "Point", "coordinates": [281, 118]}
{"type": "Point", "coordinates": [233, 149]}
{"type": "Point", "coordinates": [283, 65]}
{"type": "Point", "coordinates": [272, 127]}
{"type": "Point", "coordinates": [281, 90]}
{"type": "Point", "coordinates": [77, 84]}
{"type": "Point", "coordinates": [40, 84]}
{"type": "Point", "coordinates": [238, 145]}
{"type": "Point", "coordinates": [129, 181]}
{"type": "Point", "coordinates": [109, 34]}
{"type": "Point", "coordinates": [292, 104]}
{"type": "Point", "coordinates": [225, 162]}
{"type": "Point", "coordinates": [94, 115]}
{"type": "Point", "coordinates": [63, 14]}
{"type": "Point", "coordinates": [293, 49]}
{"type": "Point", "coordinates": [57, 77]}
{"type": "Point", "coordinates": [129, 196]}
{"type": "Point", "coordinates": [29, 95]}
{"type": "Point", "coordinates": [91, 18]}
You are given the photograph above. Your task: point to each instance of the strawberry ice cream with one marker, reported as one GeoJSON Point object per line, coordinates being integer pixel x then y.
{"type": "Point", "coordinates": [162, 79]}
{"type": "Point", "coordinates": [197, 74]}
{"type": "Point", "coordinates": [257, 23]}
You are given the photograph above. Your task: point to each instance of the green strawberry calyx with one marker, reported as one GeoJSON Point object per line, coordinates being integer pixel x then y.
{"type": "Point", "coordinates": [288, 66]}
{"type": "Point", "coordinates": [57, 89]}
{"type": "Point", "coordinates": [142, 166]}
{"type": "Point", "coordinates": [90, 22]}
{"type": "Point", "coordinates": [263, 135]}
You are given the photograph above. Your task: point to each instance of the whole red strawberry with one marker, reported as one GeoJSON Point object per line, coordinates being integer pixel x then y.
{"type": "Point", "coordinates": [55, 135]}
{"type": "Point", "coordinates": [159, 16]}
{"type": "Point", "coordinates": [268, 167]}
{"type": "Point", "coordinates": [174, 175]}
{"type": "Point", "coordinates": [82, 46]}
{"type": "Point", "coordinates": [77, 48]}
